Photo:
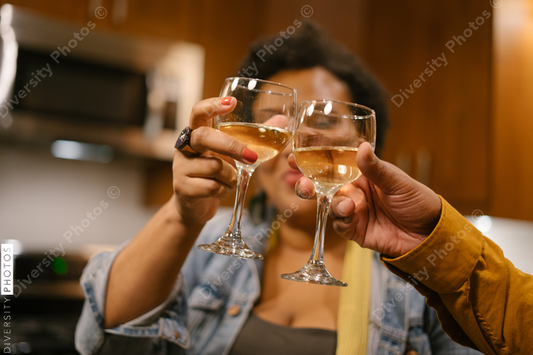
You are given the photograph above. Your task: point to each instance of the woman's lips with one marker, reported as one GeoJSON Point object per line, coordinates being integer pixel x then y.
{"type": "Point", "coordinates": [292, 176]}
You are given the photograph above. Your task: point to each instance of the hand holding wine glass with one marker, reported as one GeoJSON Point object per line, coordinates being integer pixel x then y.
{"type": "Point", "coordinates": [262, 119]}
{"type": "Point", "coordinates": [384, 210]}
{"type": "Point", "coordinates": [325, 147]}
{"type": "Point", "coordinates": [203, 178]}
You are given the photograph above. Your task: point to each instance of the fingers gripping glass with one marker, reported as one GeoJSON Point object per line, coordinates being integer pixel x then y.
{"type": "Point", "coordinates": [325, 145]}
{"type": "Point", "coordinates": [263, 119]}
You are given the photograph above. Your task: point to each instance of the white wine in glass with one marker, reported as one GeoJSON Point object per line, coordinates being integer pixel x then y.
{"type": "Point", "coordinates": [263, 119]}
{"type": "Point", "coordinates": [328, 166]}
{"type": "Point", "coordinates": [266, 141]}
{"type": "Point", "coordinates": [325, 145]}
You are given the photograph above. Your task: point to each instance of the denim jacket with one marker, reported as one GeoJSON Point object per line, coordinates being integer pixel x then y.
{"type": "Point", "coordinates": [213, 295]}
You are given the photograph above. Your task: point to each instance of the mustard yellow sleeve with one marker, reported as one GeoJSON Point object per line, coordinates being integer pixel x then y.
{"type": "Point", "coordinates": [481, 299]}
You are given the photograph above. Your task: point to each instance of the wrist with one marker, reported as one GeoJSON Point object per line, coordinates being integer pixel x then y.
{"type": "Point", "coordinates": [186, 227]}
{"type": "Point", "coordinates": [435, 208]}
{"type": "Point", "coordinates": [446, 257]}
{"type": "Point", "coordinates": [429, 211]}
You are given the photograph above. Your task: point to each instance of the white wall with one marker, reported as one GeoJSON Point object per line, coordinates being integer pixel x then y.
{"type": "Point", "coordinates": [41, 197]}
{"type": "Point", "coordinates": [514, 237]}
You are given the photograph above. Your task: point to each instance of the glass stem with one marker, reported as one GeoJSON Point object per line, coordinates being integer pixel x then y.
{"type": "Point", "coordinates": [244, 174]}
{"type": "Point", "coordinates": [321, 219]}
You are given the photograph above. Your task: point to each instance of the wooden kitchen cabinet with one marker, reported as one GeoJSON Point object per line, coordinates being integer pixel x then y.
{"type": "Point", "coordinates": [472, 119]}
{"type": "Point", "coordinates": [441, 123]}
{"type": "Point", "coordinates": [440, 134]}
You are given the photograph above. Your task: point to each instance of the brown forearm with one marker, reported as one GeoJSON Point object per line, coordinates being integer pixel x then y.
{"type": "Point", "coordinates": [143, 274]}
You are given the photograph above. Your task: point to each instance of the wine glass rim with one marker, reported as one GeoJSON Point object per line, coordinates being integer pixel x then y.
{"type": "Point", "coordinates": [372, 112]}
{"type": "Point", "coordinates": [294, 91]}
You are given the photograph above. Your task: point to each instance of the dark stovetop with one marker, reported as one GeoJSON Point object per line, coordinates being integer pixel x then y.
{"type": "Point", "coordinates": [45, 307]}
{"type": "Point", "coordinates": [42, 325]}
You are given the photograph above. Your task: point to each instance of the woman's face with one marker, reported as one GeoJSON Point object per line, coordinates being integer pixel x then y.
{"type": "Point", "coordinates": [276, 176]}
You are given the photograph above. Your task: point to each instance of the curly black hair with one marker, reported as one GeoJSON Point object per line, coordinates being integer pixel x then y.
{"type": "Point", "coordinates": [310, 46]}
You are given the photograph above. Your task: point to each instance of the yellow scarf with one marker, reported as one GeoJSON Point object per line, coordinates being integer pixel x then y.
{"type": "Point", "coordinates": [354, 302]}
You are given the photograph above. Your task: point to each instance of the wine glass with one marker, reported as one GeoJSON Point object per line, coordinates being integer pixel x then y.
{"type": "Point", "coordinates": [325, 144]}
{"type": "Point", "coordinates": [263, 119]}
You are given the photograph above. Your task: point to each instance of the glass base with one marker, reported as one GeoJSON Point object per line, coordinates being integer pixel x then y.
{"type": "Point", "coordinates": [314, 273]}
{"type": "Point", "coordinates": [231, 244]}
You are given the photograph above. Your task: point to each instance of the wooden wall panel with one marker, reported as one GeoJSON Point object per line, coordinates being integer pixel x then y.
{"type": "Point", "coordinates": [448, 115]}
{"type": "Point", "coordinates": [512, 143]}
{"type": "Point", "coordinates": [346, 20]}
{"type": "Point", "coordinates": [229, 27]}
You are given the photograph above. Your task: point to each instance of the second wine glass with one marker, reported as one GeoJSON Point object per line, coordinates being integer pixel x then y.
{"type": "Point", "coordinates": [263, 119]}
{"type": "Point", "coordinates": [325, 145]}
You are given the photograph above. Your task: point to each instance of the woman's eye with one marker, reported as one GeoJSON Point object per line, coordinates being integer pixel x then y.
{"type": "Point", "coordinates": [324, 125]}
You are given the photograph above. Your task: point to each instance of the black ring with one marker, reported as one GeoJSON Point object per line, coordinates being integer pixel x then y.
{"type": "Point", "coordinates": [184, 140]}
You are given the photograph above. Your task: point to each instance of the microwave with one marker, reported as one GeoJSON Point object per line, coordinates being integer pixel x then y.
{"type": "Point", "coordinates": [61, 81]}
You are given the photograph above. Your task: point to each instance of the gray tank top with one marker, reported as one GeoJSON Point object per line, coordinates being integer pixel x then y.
{"type": "Point", "coordinates": [260, 337]}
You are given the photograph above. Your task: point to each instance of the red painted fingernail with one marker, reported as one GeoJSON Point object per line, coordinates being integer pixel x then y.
{"type": "Point", "coordinates": [226, 101]}
{"type": "Point", "coordinates": [249, 155]}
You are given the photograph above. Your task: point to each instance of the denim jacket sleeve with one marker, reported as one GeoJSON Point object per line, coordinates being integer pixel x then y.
{"type": "Point", "coordinates": [168, 321]}
{"type": "Point", "coordinates": [90, 332]}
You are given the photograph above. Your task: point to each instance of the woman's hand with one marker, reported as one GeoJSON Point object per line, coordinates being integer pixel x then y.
{"type": "Point", "coordinates": [155, 256]}
{"type": "Point", "coordinates": [201, 180]}
{"type": "Point", "coordinates": [384, 209]}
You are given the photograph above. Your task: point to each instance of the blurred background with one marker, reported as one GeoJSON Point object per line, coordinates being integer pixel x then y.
{"type": "Point", "coordinates": [94, 92]}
